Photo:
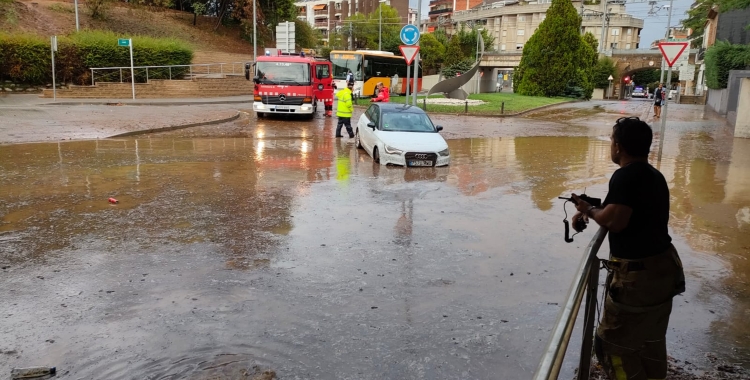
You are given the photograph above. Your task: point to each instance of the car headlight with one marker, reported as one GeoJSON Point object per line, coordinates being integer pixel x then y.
{"type": "Point", "coordinates": [392, 150]}
{"type": "Point", "coordinates": [445, 152]}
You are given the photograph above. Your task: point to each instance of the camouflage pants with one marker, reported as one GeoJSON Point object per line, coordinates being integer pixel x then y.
{"type": "Point", "coordinates": [631, 338]}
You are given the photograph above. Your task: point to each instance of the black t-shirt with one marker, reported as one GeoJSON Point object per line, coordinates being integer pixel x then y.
{"type": "Point", "coordinates": [644, 189]}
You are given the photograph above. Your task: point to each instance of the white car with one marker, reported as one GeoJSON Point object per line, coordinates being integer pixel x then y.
{"type": "Point", "coordinates": [401, 135]}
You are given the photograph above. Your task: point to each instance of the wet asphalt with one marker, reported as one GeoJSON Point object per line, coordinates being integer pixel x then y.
{"type": "Point", "coordinates": [267, 242]}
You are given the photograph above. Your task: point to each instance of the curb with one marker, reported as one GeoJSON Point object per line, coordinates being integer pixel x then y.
{"type": "Point", "coordinates": [176, 127]}
{"type": "Point", "coordinates": [497, 115]}
{"type": "Point", "coordinates": [114, 103]}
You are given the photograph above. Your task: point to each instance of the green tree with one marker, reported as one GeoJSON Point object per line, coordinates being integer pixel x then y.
{"type": "Point", "coordinates": [696, 20]}
{"type": "Point", "coordinates": [605, 67]}
{"type": "Point", "coordinates": [305, 36]}
{"type": "Point", "coordinates": [582, 84]}
{"type": "Point", "coordinates": [453, 53]}
{"type": "Point", "coordinates": [550, 57]}
{"type": "Point", "coordinates": [431, 51]}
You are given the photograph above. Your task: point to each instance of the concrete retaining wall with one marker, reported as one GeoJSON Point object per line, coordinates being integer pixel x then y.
{"type": "Point", "coordinates": [717, 100]}
{"type": "Point", "coordinates": [195, 88]}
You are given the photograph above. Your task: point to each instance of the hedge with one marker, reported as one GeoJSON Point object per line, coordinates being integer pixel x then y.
{"type": "Point", "coordinates": [26, 58]}
{"type": "Point", "coordinates": [722, 58]}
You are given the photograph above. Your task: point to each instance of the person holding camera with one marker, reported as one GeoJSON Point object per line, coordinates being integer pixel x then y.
{"type": "Point", "coordinates": [645, 271]}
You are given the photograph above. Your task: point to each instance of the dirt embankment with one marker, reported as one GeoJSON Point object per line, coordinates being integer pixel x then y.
{"type": "Point", "coordinates": [50, 17]}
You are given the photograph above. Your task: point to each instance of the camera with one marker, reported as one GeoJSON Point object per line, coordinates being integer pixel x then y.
{"type": "Point", "coordinates": [578, 225]}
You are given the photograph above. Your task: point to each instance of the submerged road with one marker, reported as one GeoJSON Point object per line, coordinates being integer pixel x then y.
{"type": "Point", "coordinates": [269, 243]}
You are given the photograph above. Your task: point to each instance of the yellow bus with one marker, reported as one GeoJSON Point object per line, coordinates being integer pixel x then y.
{"type": "Point", "coordinates": [370, 67]}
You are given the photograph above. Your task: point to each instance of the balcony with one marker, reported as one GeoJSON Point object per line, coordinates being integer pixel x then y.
{"type": "Point", "coordinates": [440, 11]}
{"type": "Point", "coordinates": [321, 25]}
{"type": "Point", "coordinates": [321, 13]}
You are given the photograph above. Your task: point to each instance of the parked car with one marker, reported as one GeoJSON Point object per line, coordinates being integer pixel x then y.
{"type": "Point", "coordinates": [401, 135]}
{"type": "Point", "coordinates": [639, 92]}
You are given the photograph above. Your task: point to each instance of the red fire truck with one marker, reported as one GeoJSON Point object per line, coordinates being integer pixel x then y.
{"type": "Point", "coordinates": [291, 84]}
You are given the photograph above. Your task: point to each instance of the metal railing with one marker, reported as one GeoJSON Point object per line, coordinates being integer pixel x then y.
{"type": "Point", "coordinates": [144, 73]}
{"type": "Point", "coordinates": [586, 279]}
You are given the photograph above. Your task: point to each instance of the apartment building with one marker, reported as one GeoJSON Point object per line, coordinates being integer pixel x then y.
{"type": "Point", "coordinates": [512, 23]}
{"type": "Point", "coordinates": [326, 15]}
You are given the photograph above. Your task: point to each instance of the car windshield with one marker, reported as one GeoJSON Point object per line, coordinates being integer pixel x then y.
{"type": "Point", "coordinates": [407, 122]}
{"type": "Point", "coordinates": [343, 63]}
{"type": "Point", "coordinates": [283, 72]}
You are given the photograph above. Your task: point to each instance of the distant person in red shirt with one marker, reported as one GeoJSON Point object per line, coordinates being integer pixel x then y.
{"type": "Point", "coordinates": [383, 94]}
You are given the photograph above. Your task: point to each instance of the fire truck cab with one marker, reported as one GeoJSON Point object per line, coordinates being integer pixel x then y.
{"type": "Point", "coordinates": [290, 84]}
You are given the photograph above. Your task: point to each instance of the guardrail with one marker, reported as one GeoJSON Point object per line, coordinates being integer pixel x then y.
{"type": "Point", "coordinates": [144, 73]}
{"type": "Point", "coordinates": [586, 279]}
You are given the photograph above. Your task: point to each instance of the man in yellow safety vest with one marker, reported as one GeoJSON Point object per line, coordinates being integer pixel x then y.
{"type": "Point", "coordinates": [344, 110]}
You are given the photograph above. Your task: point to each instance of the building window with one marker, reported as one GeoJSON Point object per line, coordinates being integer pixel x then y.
{"type": "Point", "coordinates": [615, 31]}
{"type": "Point", "coordinates": [520, 32]}
{"type": "Point", "coordinates": [613, 45]}
{"type": "Point", "coordinates": [505, 33]}
{"type": "Point", "coordinates": [502, 47]}
{"type": "Point", "coordinates": [627, 46]}
{"type": "Point", "coordinates": [519, 46]}
{"type": "Point", "coordinates": [630, 31]}
{"type": "Point", "coordinates": [521, 18]}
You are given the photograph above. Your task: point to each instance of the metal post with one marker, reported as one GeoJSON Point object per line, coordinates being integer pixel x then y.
{"type": "Point", "coordinates": [406, 101]}
{"type": "Point", "coordinates": [589, 320]}
{"type": "Point", "coordinates": [120, 75]}
{"type": "Point", "coordinates": [380, 31]}
{"type": "Point", "coordinates": [416, 59]}
{"type": "Point", "coordinates": [92, 77]}
{"type": "Point", "coordinates": [52, 48]}
{"type": "Point", "coordinates": [664, 113]}
{"type": "Point", "coordinates": [604, 26]}
{"type": "Point", "coordinates": [424, 103]}
{"type": "Point", "coordinates": [76, 7]}
{"type": "Point", "coordinates": [287, 38]}
{"type": "Point", "coordinates": [146, 74]}
{"type": "Point", "coordinates": [502, 108]}
{"type": "Point", "coordinates": [170, 71]}
{"type": "Point", "coordinates": [669, 23]}
{"type": "Point", "coordinates": [466, 106]}
{"type": "Point", "coordinates": [255, 36]}
{"type": "Point", "coordinates": [132, 69]}
{"type": "Point", "coordinates": [476, 56]}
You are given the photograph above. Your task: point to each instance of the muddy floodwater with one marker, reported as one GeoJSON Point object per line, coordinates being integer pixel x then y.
{"type": "Point", "coordinates": [280, 247]}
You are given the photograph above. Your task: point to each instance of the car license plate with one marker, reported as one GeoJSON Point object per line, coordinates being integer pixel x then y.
{"type": "Point", "coordinates": [420, 163]}
{"type": "Point", "coordinates": [282, 108]}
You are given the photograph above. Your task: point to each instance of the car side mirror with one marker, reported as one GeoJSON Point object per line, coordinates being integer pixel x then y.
{"type": "Point", "coordinates": [247, 71]}
{"type": "Point", "coordinates": [372, 125]}
{"type": "Point", "coordinates": [256, 80]}
{"type": "Point", "coordinates": [439, 128]}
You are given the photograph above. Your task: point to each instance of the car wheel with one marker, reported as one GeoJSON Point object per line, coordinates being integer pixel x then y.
{"type": "Point", "coordinates": [375, 155]}
{"type": "Point", "coordinates": [260, 114]}
{"type": "Point", "coordinates": [357, 142]}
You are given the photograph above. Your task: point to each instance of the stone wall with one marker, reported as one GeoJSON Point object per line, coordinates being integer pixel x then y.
{"type": "Point", "coordinates": [9, 87]}
{"type": "Point", "coordinates": [161, 88]}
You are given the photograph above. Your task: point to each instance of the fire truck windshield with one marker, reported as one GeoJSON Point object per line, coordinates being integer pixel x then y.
{"type": "Point", "coordinates": [283, 73]}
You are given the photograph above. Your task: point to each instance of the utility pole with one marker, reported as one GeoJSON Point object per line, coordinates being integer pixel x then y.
{"type": "Point", "coordinates": [604, 26]}
{"type": "Point", "coordinates": [76, 6]}
{"type": "Point", "coordinates": [255, 33]}
{"type": "Point", "coordinates": [669, 23]}
{"type": "Point", "coordinates": [351, 36]}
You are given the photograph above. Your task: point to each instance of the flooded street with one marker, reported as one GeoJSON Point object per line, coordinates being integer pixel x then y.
{"type": "Point", "coordinates": [269, 243]}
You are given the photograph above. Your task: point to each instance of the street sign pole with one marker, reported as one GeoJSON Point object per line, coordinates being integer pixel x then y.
{"type": "Point", "coordinates": [132, 69]}
{"type": "Point", "coordinates": [53, 49]}
{"type": "Point", "coordinates": [406, 101]}
{"type": "Point", "coordinates": [664, 114]}
{"type": "Point", "coordinates": [671, 51]}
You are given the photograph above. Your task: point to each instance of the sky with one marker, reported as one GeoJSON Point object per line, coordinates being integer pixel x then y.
{"type": "Point", "coordinates": [654, 27]}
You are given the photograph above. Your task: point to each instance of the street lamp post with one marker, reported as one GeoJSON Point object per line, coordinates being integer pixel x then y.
{"type": "Point", "coordinates": [380, 32]}
{"type": "Point", "coordinates": [669, 21]}
{"type": "Point", "coordinates": [479, 30]}
{"type": "Point", "coordinates": [255, 33]}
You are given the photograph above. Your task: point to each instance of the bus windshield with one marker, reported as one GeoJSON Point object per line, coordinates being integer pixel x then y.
{"type": "Point", "coordinates": [343, 62]}
{"type": "Point", "coordinates": [283, 73]}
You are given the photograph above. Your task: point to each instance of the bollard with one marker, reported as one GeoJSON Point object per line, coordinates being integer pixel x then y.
{"type": "Point", "coordinates": [466, 106]}
{"type": "Point", "coordinates": [424, 103]}
{"type": "Point", "coordinates": [502, 108]}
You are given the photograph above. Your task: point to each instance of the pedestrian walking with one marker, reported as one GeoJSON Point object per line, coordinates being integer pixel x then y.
{"type": "Point", "coordinates": [658, 99]}
{"type": "Point", "coordinates": [350, 77]}
{"type": "Point", "coordinates": [645, 271]}
{"type": "Point", "coordinates": [344, 110]}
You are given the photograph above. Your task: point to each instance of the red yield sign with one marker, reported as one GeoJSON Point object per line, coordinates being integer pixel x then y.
{"type": "Point", "coordinates": [672, 50]}
{"type": "Point", "coordinates": [409, 52]}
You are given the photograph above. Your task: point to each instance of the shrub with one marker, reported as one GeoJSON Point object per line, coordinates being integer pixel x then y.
{"type": "Point", "coordinates": [722, 58]}
{"type": "Point", "coordinates": [26, 58]}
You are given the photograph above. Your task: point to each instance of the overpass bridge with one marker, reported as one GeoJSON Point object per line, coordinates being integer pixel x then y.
{"type": "Point", "coordinates": [627, 61]}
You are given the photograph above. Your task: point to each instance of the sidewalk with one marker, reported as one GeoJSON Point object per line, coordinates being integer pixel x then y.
{"type": "Point", "coordinates": [28, 118]}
